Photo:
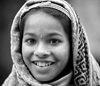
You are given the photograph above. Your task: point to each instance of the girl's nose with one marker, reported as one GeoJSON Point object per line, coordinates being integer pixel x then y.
{"type": "Point", "coordinates": [41, 51]}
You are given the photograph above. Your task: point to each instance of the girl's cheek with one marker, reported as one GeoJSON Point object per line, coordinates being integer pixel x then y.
{"type": "Point", "coordinates": [60, 51]}
{"type": "Point", "coordinates": [26, 51]}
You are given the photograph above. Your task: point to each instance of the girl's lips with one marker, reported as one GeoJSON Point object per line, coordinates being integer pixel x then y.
{"type": "Point", "coordinates": [43, 63]}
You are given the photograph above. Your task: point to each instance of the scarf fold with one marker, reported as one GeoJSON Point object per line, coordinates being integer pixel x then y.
{"type": "Point", "coordinates": [86, 71]}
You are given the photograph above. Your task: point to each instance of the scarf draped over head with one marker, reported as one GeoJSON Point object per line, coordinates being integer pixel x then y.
{"type": "Point", "coordinates": [86, 71]}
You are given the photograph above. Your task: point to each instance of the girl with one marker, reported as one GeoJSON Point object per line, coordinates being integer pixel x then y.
{"type": "Point", "coordinates": [49, 47]}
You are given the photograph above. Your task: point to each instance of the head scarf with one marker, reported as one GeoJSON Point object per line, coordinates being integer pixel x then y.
{"type": "Point", "coordinates": [86, 71]}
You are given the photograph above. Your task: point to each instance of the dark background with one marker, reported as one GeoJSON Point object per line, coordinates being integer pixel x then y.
{"type": "Point", "coordinates": [88, 10]}
{"type": "Point", "coordinates": [8, 9]}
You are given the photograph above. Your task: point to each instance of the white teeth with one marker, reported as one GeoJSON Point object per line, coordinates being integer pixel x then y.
{"type": "Point", "coordinates": [43, 64]}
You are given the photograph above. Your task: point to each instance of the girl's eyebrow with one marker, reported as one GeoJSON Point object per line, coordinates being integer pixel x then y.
{"type": "Point", "coordinates": [54, 34]}
{"type": "Point", "coordinates": [30, 34]}
{"type": "Point", "coordinates": [47, 35]}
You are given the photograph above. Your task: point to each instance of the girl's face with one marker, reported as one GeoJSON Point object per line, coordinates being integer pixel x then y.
{"type": "Point", "coordinates": [45, 46]}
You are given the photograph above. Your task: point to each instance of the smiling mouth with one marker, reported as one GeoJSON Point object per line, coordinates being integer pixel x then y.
{"type": "Point", "coordinates": [43, 64]}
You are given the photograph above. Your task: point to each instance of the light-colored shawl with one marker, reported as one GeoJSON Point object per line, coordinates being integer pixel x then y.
{"type": "Point", "coordinates": [86, 71]}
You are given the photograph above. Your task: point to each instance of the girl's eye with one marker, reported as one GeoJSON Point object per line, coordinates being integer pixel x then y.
{"type": "Point", "coordinates": [31, 41]}
{"type": "Point", "coordinates": [54, 41]}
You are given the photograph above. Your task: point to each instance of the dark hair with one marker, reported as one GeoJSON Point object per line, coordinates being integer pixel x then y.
{"type": "Point", "coordinates": [66, 23]}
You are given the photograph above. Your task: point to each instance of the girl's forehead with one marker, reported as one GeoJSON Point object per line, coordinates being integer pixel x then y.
{"type": "Point", "coordinates": [43, 17]}
{"type": "Point", "coordinates": [47, 11]}
{"type": "Point", "coordinates": [41, 23]}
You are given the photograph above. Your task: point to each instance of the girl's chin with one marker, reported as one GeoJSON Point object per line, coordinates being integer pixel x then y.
{"type": "Point", "coordinates": [44, 74]}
